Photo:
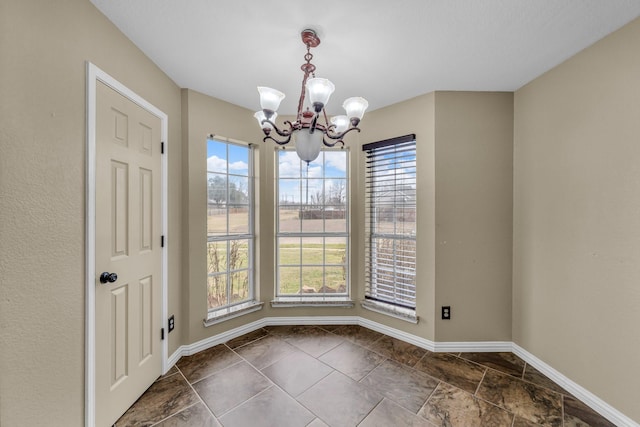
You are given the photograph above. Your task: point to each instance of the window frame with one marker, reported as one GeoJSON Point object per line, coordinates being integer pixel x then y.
{"type": "Point", "coordinates": [249, 304]}
{"type": "Point", "coordinates": [375, 298]}
{"type": "Point", "coordinates": [322, 298]}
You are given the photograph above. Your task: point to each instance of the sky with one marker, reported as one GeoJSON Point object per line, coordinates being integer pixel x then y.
{"type": "Point", "coordinates": [329, 168]}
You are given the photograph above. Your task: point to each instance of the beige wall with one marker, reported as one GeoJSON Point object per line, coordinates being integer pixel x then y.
{"type": "Point", "coordinates": [464, 150]}
{"type": "Point", "coordinates": [576, 293]}
{"type": "Point", "coordinates": [474, 169]}
{"type": "Point", "coordinates": [44, 46]}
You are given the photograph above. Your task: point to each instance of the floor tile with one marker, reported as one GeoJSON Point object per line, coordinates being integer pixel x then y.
{"type": "Point", "coordinates": [521, 422]}
{"type": "Point", "coordinates": [284, 331]}
{"type": "Point", "coordinates": [339, 401]}
{"type": "Point", "coordinates": [388, 414]}
{"type": "Point", "coordinates": [577, 414]}
{"type": "Point", "coordinates": [296, 372]}
{"type": "Point", "coordinates": [228, 388]}
{"type": "Point", "coordinates": [196, 415]}
{"type": "Point", "coordinates": [400, 351]}
{"type": "Point", "coordinates": [507, 363]}
{"type": "Point", "coordinates": [164, 398]}
{"type": "Point", "coordinates": [453, 370]}
{"type": "Point", "coordinates": [272, 407]}
{"type": "Point", "coordinates": [246, 338]}
{"type": "Point", "coordinates": [317, 423]}
{"type": "Point", "coordinates": [265, 351]}
{"type": "Point", "coordinates": [358, 334]}
{"type": "Point", "coordinates": [330, 328]}
{"type": "Point", "coordinates": [452, 407]}
{"type": "Point", "coordinates": [170, 372]}
{"type": "Point", "coordinates": [531, 374]}
{"type": "Point", "coordinates": [314, 341]}
{"type": "Point", "coordinates": [522, 398]}
{"type": "Point", "coordinates": [405, 386]}
{"type": "Point", "coordinates": [207, 362]}
{"type": "Point", "coordinates": [352, 360]}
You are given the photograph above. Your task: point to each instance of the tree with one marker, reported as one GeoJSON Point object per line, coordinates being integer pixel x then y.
{"type": "Point", "coordinates": [217, 190]}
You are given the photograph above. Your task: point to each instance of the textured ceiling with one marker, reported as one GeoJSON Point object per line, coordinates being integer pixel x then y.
{"type": "Point", "coordinates": [384, 51]}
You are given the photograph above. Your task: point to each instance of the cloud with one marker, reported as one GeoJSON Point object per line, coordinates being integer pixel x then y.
{"type": "Point", "coordinates": [336, 159]}
{"type": "Point", "coordinates": [216, 164]}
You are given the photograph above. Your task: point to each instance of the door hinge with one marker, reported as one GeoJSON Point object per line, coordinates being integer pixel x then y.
{"type": "Point", "coordinates": [162, 147]}
{"type": "Point", "coordinates": [162, 334]}
{"type": "Point", "coordinates": [162, 241]}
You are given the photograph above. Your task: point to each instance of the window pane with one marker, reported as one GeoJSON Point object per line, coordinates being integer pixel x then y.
{"type": "Point", "coordinates": [312, 279]}
{"type": "Point", "coordinates": [216, 156]}
{"type": "Point", "coordinates": [289, 164]}
{"type": "Point", "coordinates": [335, 279]}
{"type": "Point", "coordinates": [336, 250]}
{"type": "Point", "coordinates": [312, 208]}
{"type": "Point", "coordinates": [238, 160]}
{"type": "Point", "coordinates": [217, 257]}
{"type": "Point", "coordinates": [238, 190]}
{"type": "Point", "coordinates": [239, 220]}
{"type": "Point", "coordinates": [229, 214]}
{"type": "Point", "coordinates": [289, 251]}
{"type": "Point", "coordinates": [239, 286]}
{"type": "Point", "coordinates": [289, 281]}
{"type": "Point", "coordinates": [312, 251]}
{"type": "Point", "coordinates": [335, 164]}
{"type": "Point", "coordinates": [217, 290]}
{"type": "Point", "coordinates": [289, 218]}
{"type": "Point", "coordinates": [391, 221]}
{"type": "Point", "coordinates": [238, 254]}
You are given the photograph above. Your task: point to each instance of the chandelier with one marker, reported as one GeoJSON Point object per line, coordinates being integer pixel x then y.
{"type": "Point", "coordinates": [311, 128]}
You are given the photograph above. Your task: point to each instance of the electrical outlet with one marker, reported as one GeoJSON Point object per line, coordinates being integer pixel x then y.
{"type": "Point", "coordinates": [172, 323]}
{"type": "Point", "coordinates": [446, 312]}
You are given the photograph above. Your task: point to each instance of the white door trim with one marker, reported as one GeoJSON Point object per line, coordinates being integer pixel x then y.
{"type": "Point", "coordinates": [95, 74]}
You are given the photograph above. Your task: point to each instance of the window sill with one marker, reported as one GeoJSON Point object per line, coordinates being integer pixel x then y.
{"type": "Point", "coordinates": [390, 310]}
{"type": "Point", "coordinates": [282, 302]}
{"type": "Point", "coordinates": [227, 313]}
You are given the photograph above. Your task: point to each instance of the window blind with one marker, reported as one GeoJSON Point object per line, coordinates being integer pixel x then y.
{"type": "Point", "coordinates": [390, 215]}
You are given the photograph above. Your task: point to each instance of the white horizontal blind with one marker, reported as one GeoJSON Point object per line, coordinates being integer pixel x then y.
{"type": "Point", "coordinates": [390, 186]}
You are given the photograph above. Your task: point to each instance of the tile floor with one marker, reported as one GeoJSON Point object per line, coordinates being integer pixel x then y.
{"type": "Point", "coordinates": [351, 376]}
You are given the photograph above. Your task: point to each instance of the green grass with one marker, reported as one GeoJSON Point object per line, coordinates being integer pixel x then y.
{"type": "Point", "coordinates": [293, 278]}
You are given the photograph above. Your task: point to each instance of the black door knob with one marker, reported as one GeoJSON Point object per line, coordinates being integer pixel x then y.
{"type": "Point", "coordinates": [107, 277]}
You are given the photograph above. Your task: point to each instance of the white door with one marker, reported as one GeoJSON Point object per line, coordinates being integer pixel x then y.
{"type": "Point", "coordinates": [128, 255]}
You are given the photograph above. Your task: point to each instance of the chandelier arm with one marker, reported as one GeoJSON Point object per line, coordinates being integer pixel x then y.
{"type": "Point", "coordinates": [330, 143]}
{"type": "Point", "coordinates": [284, 133]}
{"type": "Point", "coordinates": [340, 136]}
{"type": "Point", "coordinates": [285, 142]}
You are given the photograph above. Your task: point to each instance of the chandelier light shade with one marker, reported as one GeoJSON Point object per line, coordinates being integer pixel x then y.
{"type": "Point", "coordinates": [311, 128]}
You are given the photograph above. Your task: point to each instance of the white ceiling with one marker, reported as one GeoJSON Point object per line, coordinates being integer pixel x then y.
{"type": "Point", "coordinates": [385, 51]}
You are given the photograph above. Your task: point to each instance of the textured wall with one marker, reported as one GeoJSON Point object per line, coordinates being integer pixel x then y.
{"type": "Point", "coordinates": [44, 47]}
{"type": "Point", "coordinates": [474, 202]}
{"type": "Point", "coordinates": [577, 218]}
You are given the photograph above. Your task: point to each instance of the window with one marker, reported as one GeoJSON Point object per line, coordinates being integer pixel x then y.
{"type": "Point", "coordinates": [230, 235]}
{"type": "Point", "coordinates": [312, 233]}
{"type": "Point", "coordinates": [390, 214]}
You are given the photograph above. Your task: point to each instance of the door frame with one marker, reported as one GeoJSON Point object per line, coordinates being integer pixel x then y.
{"type": "Point", "coordinates": [95, 75]}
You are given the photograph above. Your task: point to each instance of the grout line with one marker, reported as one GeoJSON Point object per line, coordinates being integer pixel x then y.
{"type": "Point", "coordinates": [198, 394]}
{"type": "Point", "coordinates": [481, 379]}
{"type": "Point", "coordinates": [183, 409]}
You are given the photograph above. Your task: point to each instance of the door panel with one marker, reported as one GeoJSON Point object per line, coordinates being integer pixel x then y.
{"type": "Point", "coordinates": [128, 228]}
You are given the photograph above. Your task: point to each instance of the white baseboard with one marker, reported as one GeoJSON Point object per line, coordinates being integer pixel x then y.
{"type": "Point", "coordinates": [588, 398]}
{"type": "Point", "coordinates": [473, 346]}
{"type": "Point", "coordinates": [584, 395]}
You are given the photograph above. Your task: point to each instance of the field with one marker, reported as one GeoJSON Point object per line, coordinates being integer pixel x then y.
{"type": "Point", "coordinates": [306, 266]}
